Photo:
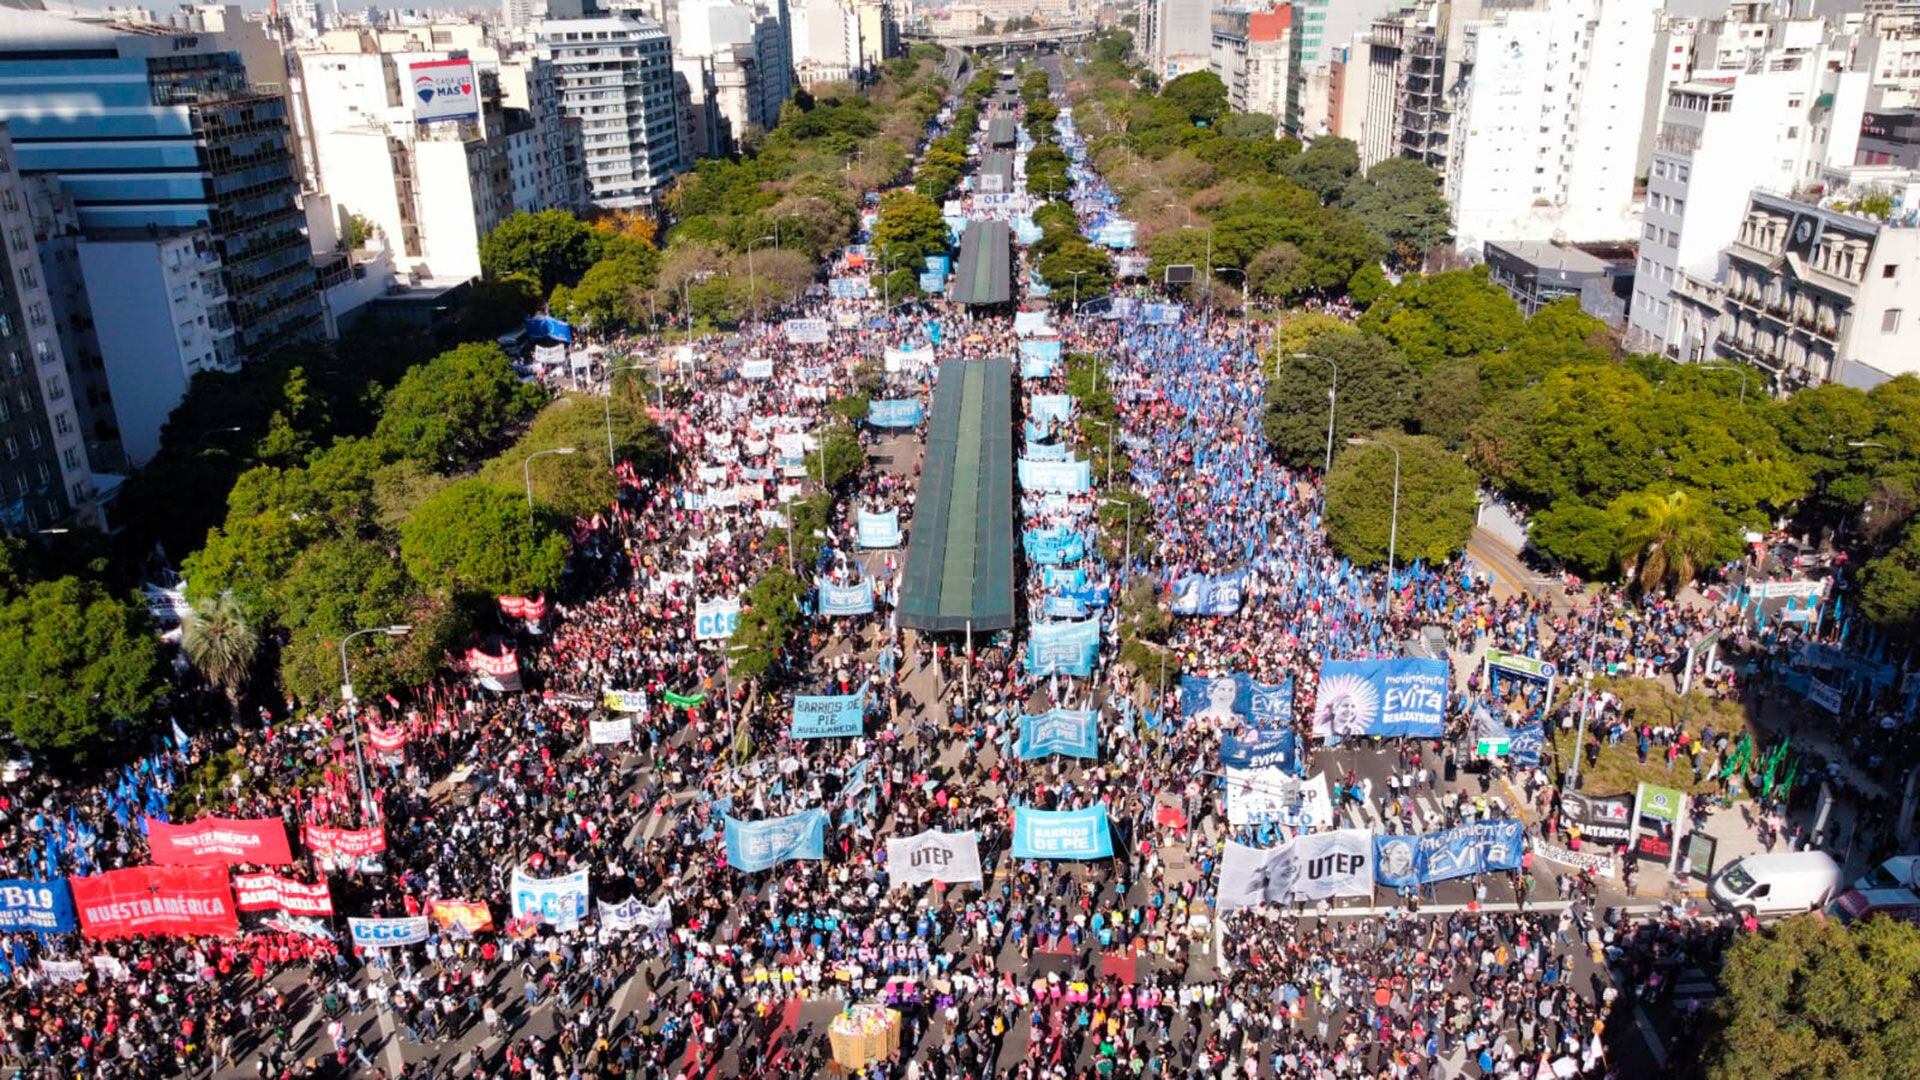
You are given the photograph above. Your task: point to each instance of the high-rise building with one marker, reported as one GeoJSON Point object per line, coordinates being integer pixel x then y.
{"type": "Point", "coordinates": [614, 74]}
{"type": "Point", "coordinates": [1253, 55]}
{"type": "Point", "coordinates": [1175, 37]}
{"type": "Point", "coordinates": [825, 41]}
{"type": "Point", "coordinates": [1546, 129]}
{"type": "Point", "coordinates": [162, 143]}
{"type": "Point", "coordinates": [732, 61]}
{"type": "Point", "coordinates": [45, 475]}
{"type": "Point", "coordinates": [1406, 83]}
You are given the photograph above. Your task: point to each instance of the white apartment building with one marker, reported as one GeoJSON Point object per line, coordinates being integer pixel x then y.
{"type": "Point", "coordinates": [614, 74]}
{"type": "Point", "coordinates": [841, 40]}
{"type": "Point", "coordinates": [731, 59]}
{"type": "Point", "coordinates": [1175, 37]}
{"type": "Point", "coordinates": [1252, 54]}
{"type": "Point", "coordinates": [1547, 127]}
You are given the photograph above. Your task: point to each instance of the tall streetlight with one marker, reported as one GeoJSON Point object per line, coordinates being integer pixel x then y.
{"type": "Point", "coordinates": [1393, 523]}
{"type": "Point", "coordinates": [753, 293]}
{"type": "Point", "coordinates": [661, 400]}
{"type": "Point", "coordinates": [526, 468]}
{"type": "Point", "coordinates": [1075, 274]}
{"type": "Point", "coordinates": [353, 710]}
{"type": "Point", "coordinates": [1333, 397]}
{"type": "Point", "coordinates": [1721, 366]}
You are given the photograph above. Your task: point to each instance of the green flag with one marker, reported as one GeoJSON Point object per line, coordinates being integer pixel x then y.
{"type": "Point", "coordinates": [685, 701]}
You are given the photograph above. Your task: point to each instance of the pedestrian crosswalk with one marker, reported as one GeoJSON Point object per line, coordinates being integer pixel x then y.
{"type": "Point", "coordinates": [1429, 814]}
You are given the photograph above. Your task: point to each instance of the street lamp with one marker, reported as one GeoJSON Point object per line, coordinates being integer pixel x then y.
{"type": "Point", "coordinates": [1075, 274]}
{"type": "Point", "coordinates": [1741, 368]}
{"type": "Point", "coordinates": [353, 712]}
{"type": "Point", "coordinates": [753, 294]}
{"type": "Point", "coordinates": [1393, 523]}
{"type": "Point", "coordinates": [661, 400]}
{"type": "Point", "coordinates": [1333, 397]}
{"type": "Point", "coordinates": [526, 469]}
{"type": "Point", "coordinates": [1863, 444]}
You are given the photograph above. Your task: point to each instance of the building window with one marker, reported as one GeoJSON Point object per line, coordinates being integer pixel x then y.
{"type": "Point", "coordinates": [1890, 321]}
{"type": "Point", "coordinates": [1889, 270]}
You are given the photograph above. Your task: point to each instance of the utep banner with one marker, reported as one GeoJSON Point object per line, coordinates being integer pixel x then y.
{"type": "Point", "coordinates": [758, 845]}
{"type": "Point", "coordinates": [1276, 748]}
{"type": "Point", "coordinates": [1312, 867]}
{"type": "Point", "coordinates": [271, 892]}
{"type": "Point", "coordinates": [714, 620]}
{"type": "Point", "coordinates": [832, 717]}
{"type": "Point", "coordinates": [1063, 648]}
{"type": "Point", "coordinates": [933, 856]}
{"type": "Point", "coordinates": [1198, 594]}
{"type": "Point", "coordinates": [1061, 834]}
{"type": "Point", "coordinates": [219, 841]}
{"type": "Point", "coordinates": [807, 331]}
{"type": "Point", "coordinates": [1479, 848]}
{"type": "Point", "coordinates": [558, 900]}
{"type": "Point", "coordinates": [880, 530]}
{"type": "Point", "coordinates": [1064, 477]}
{"type": "Point", "coordinates": [895, 413]}
{"type": "Point", "coordinates": [837, 601]}
{"type": "Point", "coordinates": [45, 907]}
{"type": "Point", "coordinates": [388, 933]}
{"type": "Point", "coordinates": [1393, 698]}
{"type": "Point", "coordinates": [1072, 732]}
{"type": "Point", "coordinates": [1051, 547]}
{"type": "Point", "coordinates": [189, 900]}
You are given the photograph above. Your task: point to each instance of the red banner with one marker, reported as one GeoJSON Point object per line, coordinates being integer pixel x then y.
{"type": "Point", "coordinates": [189, 900]}
{"type": "Point", "coordinates": [520, 607]}
{"type": "Point", "coordinates": [483, 663]}
{"type": "Point", "coordinates": [343, 843]}
{"type": "Point", "coordinates": [386, 740]}
{"type": "Point", "coordinates": [271, 892]}
{"type": "Point", "coordinates": [219, 841]}
{"type": "Point", "coordinates": [473, 916]}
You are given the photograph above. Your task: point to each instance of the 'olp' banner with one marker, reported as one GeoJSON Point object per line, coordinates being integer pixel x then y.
{"type": "Point", "coordinates": [188, 900]}
{"type": "Point", "coordinates": [219, 841]}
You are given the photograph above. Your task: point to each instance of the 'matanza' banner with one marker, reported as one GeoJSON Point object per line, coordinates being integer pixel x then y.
{"type": "Point", "coordinates": [188, 900]}
{"type": "Point", "coordinates": [219, 841]}
{"type": "Point", "coordinates": [325, 843]}
{"type": "Point", "coordinates": [271, 892]}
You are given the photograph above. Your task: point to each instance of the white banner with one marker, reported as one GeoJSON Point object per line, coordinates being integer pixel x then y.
{"type": "Point", "coordinates": [633, 914]}
{"type": "Point", "coordinates": [716, 620]}
{"type": "Point", "coordinates": [933, 856]}
{"type": "Point", "coordinates": [1310, 867]}
{"type": "Point", "coordinates": [63, 971]}
{"type": "Point", "coordinates": [1273, 796]}
{"type": "Point", "coordinates": [387, 933]}
{"type": "Point", "coordinates": [561, 900]}
{"type": "Point", "coordinates": [610, 732]}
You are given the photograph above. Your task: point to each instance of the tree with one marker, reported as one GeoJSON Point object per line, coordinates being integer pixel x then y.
{"type": "Point", "coordinates": [1663, 538]}
{"type": "Point", "coordinates": [79, 668]}
{"type": "Point", "coordinates": [769, 610]}
{"type": "Point", "coordinates": [1400, 202]}
{"type": "Point", "coordinates": [1367, 284]}
{"type": "Point", "coordinates": [1439, 495]}
{"type": "Point", "coordinates": [607, 297]}
{"type": "Point", "coordinates": [1450, 399]}
{"type": "Point", "coordinates": [910, 226]}
{"type": "Point", "coordinates": [553, 247]}
{"type": "Point", "coordinates": [471, 537]}
{"type": "Point", "coordinates": [1890, 585]}
{"type": "Point", "coordinates": [1458, 313]}
{"type": "Point", "coordinates": [1325, 167]}
{"type": "Point", "coordinates": [1200, 96]}
{"type": "Point", "coordinates": [1581, 536]}
{"type": "Point", "coordinates": [220, 642]}
{"type": "Point", "coordinates": [1376, 392]}
{"type": "Point", "coordinates": [456, 407]}
{"type": "Point", "coordinates": [1095, 271]}
{"type": "Point", "coordinates": [340, 586]}
{"type": "Point", "coordinates": [841, 453]}
{"type": "Point", "coordinates": [1813, 998]}
{"type": "Point", "coordinates": [582, 484]}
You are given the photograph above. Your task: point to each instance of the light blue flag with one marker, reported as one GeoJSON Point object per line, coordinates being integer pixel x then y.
{"type": "Point", "coordinates": [759, 845]}
{"type": "Point", "coordinates": [839, 601]}
{"type": "Point", "coordinates": [828, 717]}
{"type": "Point", "coordinates": [1061, 834]}
{"type": "Point", "coordinates": [1070, 732]}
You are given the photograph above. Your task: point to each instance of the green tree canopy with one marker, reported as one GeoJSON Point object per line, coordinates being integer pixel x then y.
{"type": "Point", "coordinates": [1439, 495]}
{"type": "Point", "coordinates": [1326, 167]}
{"type": "Point", "coordinates": [1400, 202]}
{"type": "Point", "coordinates": [472, 537]}
{"type": "Point", "coordinates": [79, 668]}
{"type": "Point", "coordinates": [580, 484]}
{"type": "Point", "coordinates": [1812, 999]}
{"type": "Point", "coordinates": [1458, 313]}
{"type": "Point", "coordinates": [552, 247]}
{"type": "Point", "coordinates": [1375, 392]}
{"type": "Point", "coordinates": [1663, 538]}
{"type": "Point", "coordinates": [1890, 585]}
{"type": "Point", "coordinates": [456, 408]}
{"type": "Point", "coordinates": [910, 227]}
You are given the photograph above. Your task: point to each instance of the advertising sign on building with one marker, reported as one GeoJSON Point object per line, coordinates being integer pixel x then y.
{"type": "Point", "coordinates": [444, 90]}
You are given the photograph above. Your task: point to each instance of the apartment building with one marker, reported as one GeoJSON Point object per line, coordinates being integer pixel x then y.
{"type": "Point", "coordinates": [614, 74]}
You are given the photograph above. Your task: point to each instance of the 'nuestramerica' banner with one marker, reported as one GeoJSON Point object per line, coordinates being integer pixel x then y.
{"type": "Point", "coordinates": [219, 841]}
{"type": "Point", "coordinates": [271, 892]}
{"type": "Point", "coordinates": [140, 900]}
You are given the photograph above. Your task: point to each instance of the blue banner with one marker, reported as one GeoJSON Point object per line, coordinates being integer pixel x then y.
{"type": "Point", "coordinates": [548, 328]}
{"type": "Point", "coordinates": [879, 530]}
{"type": "Point", "coordinates": [758, 845]}
{"type": "Point", "coordinates": [44, 907]}
{"type": "Point", "coordinates": [901, 413]}
{"type": "Point", "coordinates": [1051, 547]}
{"type": "Point", "coordinates": [1063, 607]}
{"type": "Point", "coordinates": [1064, 477]}
{"type": "Point", "coordinates": [1160, 314]}
{"type": "Point", "coordinates": [1198, 594]}
{"type": "Point", "coordinates": [1050, 408]}
{"type": "Point", "coordinates": [828, 717]}
{"type": "Point", "coordinates": [1054, 577]}
{"type": "Point", "coordinates": [1093, 596]}
{"type": "Point", "coordinates": [938, 264]}
{"type": "Point", "coordinates": [932, 283]}
{"type": "Point", "coordinates": [1268, 706]}
{"type": "Point", "coordinates": [1072, 732]}
{"type": "Point", "coordinates": [1063, 648]}
{"type": "Point", "coordinates": [1061, 834]}
{"type": "Point", "coordinates": [1525, 744]}
{"type": "Point", "coordinates": [838, 601]}
{"type": "Point", "coordinates": [1034, 367]}
{"type": "Point", "coordinates": [1482, 847]}
{"type": "Point", "coordinates": [1238, 696]}
{"type": "Point", "coordinates": [1277, 748]}
{"type": "Point", "coordinates": [1044, 451]}
{"type": "Point", "coordinates": [1393, 698]}
{"type": "Point", "coordinates": [1041, 350]}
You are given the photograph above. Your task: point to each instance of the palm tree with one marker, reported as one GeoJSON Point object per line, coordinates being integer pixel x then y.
{"type": "Point", "coordinates": [1662, 540]}
{"type": "Point", "coordinates": [220, 642]}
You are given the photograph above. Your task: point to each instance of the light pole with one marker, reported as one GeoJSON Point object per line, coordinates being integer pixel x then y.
{"type": "Point", "coordinates": [353, 711]}
{"type": "Point", "coordinates": [526, 469]}
{"type": "Point", "coordinates": [1333, 397]}
{"type": "Point", "coordinates": [1075, 274]}
{"type": "Point", "coordinates": [611, 372]}
{"type": "Point", "coordinates": [1393, 523]}
{"type": "Point", "coordinates": [1741, 368]}
{"type": "Point", "coordinates": [753, 293]}
{"type": "Point", "coordinates": [1108, 426]}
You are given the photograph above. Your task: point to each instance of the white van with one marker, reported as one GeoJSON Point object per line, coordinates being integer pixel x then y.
{"type": "Point", "coordinates": [1786, 883]}
{"type": "Point", "coordinates": [1898, 872]}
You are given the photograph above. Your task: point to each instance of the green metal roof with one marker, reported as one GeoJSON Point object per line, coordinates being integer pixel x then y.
{"type": "Point", "coordinates": [1001, 131]}
{"type": "Point", "coordinates": [984, 273]}
{"type": "Point", "coordinates": [960, 559]}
